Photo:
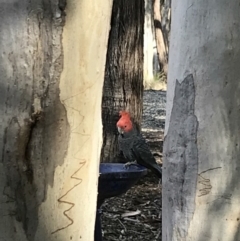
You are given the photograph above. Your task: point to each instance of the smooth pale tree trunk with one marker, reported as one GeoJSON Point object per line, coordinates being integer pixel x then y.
{"type": "Point", "coordinates": [51, 76]}
{"type": "Point", "coordinates": [123, 83]}
{"type": "Point", "coordinates": [149, 43]}
{"type": "Point", "coordinates": [201, 188]}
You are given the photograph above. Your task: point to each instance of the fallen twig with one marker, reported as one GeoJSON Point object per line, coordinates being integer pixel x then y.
{"type": "Point", "coordinates": [130, 214]}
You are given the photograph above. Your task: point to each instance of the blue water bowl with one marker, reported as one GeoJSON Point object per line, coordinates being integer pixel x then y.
{"type": "Point", "coordinates": [114, 179]}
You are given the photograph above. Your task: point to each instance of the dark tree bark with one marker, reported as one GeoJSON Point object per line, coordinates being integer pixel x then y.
{"type": "Point", "coordinates": [123, 84]}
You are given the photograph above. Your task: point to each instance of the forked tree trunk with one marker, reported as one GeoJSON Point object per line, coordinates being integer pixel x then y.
{"type": "Point", "coordinates": [51, 78]}
{"type": "Point", "coordinates": [123, 83]}
{"type": "Point", "coordinates": [165, 11]}
{"type": "Point", "coordinates": [201, 188]}
{"type": "Point", "coordinates": [160, 41]}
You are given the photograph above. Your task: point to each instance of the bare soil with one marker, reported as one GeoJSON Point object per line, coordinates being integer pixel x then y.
{"type": "Point", "coordinates": [136, 215]}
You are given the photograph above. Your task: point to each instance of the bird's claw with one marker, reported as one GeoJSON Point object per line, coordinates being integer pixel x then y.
{"type": "Point", "coordinates": [126, 165]}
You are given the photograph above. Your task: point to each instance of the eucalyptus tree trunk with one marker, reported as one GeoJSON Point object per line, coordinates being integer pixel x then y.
{"type": "Point", "coordinates": [123, 83]}
{"type": "Point", "coordinates": [165, 11]}
{"type": "Point", "coordinates": [51, 78]}
{"type": "Point", "coordinates": [149, 43]}
{"type": "Point", "coordinates": [201, 170]}
{"type": "Point", "coordinates": [160, 41]}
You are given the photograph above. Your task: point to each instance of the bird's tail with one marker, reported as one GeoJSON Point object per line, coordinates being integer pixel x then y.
{"type": "Point", "coordinates": [157, 170]}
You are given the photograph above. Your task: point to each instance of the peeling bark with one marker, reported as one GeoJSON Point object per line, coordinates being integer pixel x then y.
{"type": "Point", "coordinates": [181, 156]}
{"type": "Point", "coordinates": [31, 124]}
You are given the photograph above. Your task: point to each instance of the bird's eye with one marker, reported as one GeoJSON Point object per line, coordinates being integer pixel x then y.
{"type": "Point", "coordinates": [125, 126]}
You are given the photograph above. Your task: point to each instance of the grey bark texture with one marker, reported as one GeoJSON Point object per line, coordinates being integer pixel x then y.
{"type": "Point", "coordinates": [201, 188]}
{"type": "Point", "coordinates": [123, 83]}
{"type": "Point", "coordinates": [33, 117]}
{"type": "Point", "coordinates": [181, 154]}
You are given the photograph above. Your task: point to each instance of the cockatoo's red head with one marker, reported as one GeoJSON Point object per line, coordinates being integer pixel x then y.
{"type": "Point", "coordinates": [124, 124]}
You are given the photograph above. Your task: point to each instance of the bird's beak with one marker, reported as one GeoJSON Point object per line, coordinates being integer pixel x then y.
{"type": "Point", "coordinates": [120, 130]}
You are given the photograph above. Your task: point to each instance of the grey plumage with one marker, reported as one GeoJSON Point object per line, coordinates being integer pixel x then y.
{"type": "Point", "coordinates": [134, 147]}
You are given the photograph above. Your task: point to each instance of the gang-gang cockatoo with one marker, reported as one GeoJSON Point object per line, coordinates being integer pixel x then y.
{"type": "Point", "coordinates": [133, 145]}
